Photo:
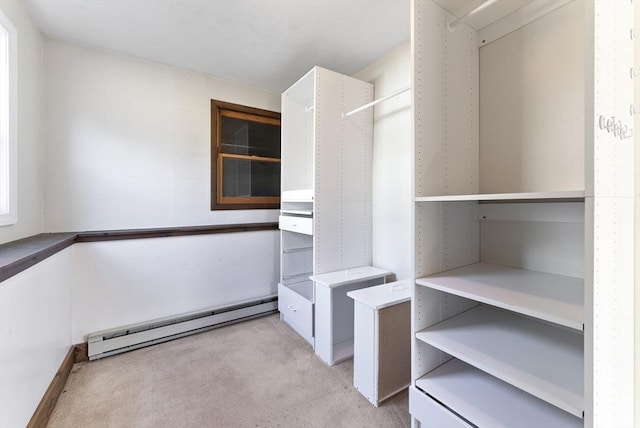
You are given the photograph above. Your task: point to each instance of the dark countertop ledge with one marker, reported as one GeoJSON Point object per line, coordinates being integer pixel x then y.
{"type": "Point", "coordinates": [20, 255]}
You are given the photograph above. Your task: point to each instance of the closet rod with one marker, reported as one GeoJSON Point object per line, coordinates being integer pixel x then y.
{"type": "Point", "coordinates": [452, 24]}
{"type": "Point", "coordinates": [379, 100]}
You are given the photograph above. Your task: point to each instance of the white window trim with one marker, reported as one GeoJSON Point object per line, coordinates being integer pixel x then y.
{"type": "Point", "coordinates": [9, 121]}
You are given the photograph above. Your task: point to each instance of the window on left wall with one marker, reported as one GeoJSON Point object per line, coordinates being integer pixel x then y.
{"type": "Point", "coordinates": [8, 121]}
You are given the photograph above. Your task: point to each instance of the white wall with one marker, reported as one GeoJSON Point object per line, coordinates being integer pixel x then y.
{"type": "Point", "coordinates": [127, 141]}
{"type": "Point", "coordinates": [35, 305]}
{"type": "Point", "coordinates": [30, 191]}
{"type": "Point", "coordinates": [127, 145]}
{"type": "Point", "coordinates": [124, 282]}
{"type": "Point", "coordinates": [392, 199]}
{"type": "Point", "coordinates": [35, 334]}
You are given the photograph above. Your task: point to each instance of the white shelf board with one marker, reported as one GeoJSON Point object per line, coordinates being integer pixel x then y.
{"type": "Point", "coordinates": [342, 351]}
{"type": "Point", "coordinates": [297, 212]}
{"type": "Point", "coordinates": [299, 277]}
{"type": "Point", "coordinates": [349, 276]}
{"type": "Point", "coordinates": [527, 196]}
{"type": "Point", "coordinates": [555, 298]}
{"type": "Point", "coordinates": [296, 250]}
{"type": "Point", "coordinates": [305, 289]}
{"type": "Point", "coordinates": [381, 296]}
{"type": "Point", "coordinates": [543, 360]}
{"type": "Point", "coordinates": [490, 402]}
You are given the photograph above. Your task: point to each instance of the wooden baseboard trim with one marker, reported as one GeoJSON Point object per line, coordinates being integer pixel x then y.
{"type": "Point", "coordinates": [81, 352]}
{"type": "Point", "coordinates": [43, 411]}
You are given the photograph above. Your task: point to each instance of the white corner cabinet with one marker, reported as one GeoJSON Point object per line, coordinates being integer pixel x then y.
{"type": "Point", "coordinates": [325, 217]}
{"type": "Point", "coordinates": [523, 302]}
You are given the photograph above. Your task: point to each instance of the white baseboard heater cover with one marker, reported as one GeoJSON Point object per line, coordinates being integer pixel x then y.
{"type": "Point", "coordinates": [115, 341]}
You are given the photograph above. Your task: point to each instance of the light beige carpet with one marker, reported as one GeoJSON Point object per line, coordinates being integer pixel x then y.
{"type": "Point", "coordinates": [257, 373]}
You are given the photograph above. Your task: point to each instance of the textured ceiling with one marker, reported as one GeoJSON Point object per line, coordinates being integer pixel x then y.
{"type": "Point", "coordinates": [264, 43]}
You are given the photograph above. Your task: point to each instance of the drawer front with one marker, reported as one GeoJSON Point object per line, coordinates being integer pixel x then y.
{"type": "Point", "coordinates": [297, 311]}
{"type": "Point", "coordinates": [431, 413]}
{"type": "Point", "coordinates": [296, 224]}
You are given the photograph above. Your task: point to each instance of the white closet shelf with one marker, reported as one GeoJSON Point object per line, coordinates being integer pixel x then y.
{"type": "Point", "coordinates": [297, 277]}
{"type": "Point", "coordinates": [296, 250]}
{"type": "Point", "coordinates": [384, 295]}
{"type": "Point", "coordinates": [348, 276]}
{"type": "Point", "coordinates": [297, 212]}
{"type": "Point", "coordinates": [304, 288]}
{"type": "Point", "coordinates": [545, 361]}
{"type": "Point", "coordinates": [554, 298]}
{"type": "Point", "coordinates": [490, 402]}
{"type": "Point", "coordinates": [297, 224]}
{"type": "Point", "coordinates": [526, 196]}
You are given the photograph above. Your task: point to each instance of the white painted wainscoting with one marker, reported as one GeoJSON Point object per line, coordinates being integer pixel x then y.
{"type": "Point", "coordinates": [101, 285]}
{"type": "Point", "coordinates": [130, 281]}
{"type": "Point", "coordinates": [35, 334]}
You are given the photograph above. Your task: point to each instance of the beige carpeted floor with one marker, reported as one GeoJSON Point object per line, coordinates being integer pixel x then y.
{"type": "Point", "coordinates": [258, 373]}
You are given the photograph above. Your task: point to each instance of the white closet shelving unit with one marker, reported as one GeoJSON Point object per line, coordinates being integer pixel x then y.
{"type": "Point", "coordinates": [325, 216]}
{"type": "Point", "coordinates": [524, 205]}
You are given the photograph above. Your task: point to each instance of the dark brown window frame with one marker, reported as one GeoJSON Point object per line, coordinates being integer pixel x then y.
{"type": "Point", "coordinates": [221, 109]}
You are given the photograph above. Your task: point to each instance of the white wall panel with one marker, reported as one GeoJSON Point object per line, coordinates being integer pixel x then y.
{"type": "Point", "coordinates": [298, 130]}
{"type": "Point", "coordinates": [543, 246]}
{"type": "Point", "coordinates": [35, 334]}
{"type": "Point", "coordinates": [127, 141]}
{"type": "Point", "coordinates": [609, 319]}
{"type": "Point", "coordinates": [636, 130]}
{"type": "Point", "coordinates": [123, 282]}
{"type": "Point", "coordinates": [610, 348]}
{"type": "Point", "coordinates": [446, 92]}
{"type": "Point", "coordinates": [613, 157]}
{"type": "Point", "coordinates": [532, 121]}
{"type": "Point", "coordinates": [391, 187]}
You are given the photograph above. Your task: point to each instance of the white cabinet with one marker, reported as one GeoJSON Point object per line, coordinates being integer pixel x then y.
{"type": "Point", "coordinates": [382, 345]}
{"type": "Point", "coordinates": [295, 303]}
{"type": "Point", "coordinates": [523, 176]}
{"type": "Point", "coordinates": [325, 216]}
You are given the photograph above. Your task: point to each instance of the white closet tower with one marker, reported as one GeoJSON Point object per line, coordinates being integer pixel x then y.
{"type": "Point", "coordinates": [523, 306]}
{"type": "Point", "coordinates": [326, 202]}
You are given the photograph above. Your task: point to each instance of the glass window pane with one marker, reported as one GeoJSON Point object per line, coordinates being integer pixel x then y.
{"type": "Point", "coordinates": [242, 177]}
{"type": "Point", "coordinates": [245, 137]}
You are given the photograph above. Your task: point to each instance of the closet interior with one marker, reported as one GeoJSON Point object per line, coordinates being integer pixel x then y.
{"type": "Point", "coordinates": [522, 153]}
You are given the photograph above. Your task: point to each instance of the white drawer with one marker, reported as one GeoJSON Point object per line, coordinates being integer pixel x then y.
{"type": "Point", "coordinates": [430, 413]}
{"type": "Point", "coordinates": [296, 310]}
{"type": "Point", "coordinates": [297, 224]}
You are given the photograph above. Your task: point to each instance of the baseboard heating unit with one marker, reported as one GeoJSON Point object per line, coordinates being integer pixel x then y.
{"type": "Point", "coordinates": [115, 341]}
